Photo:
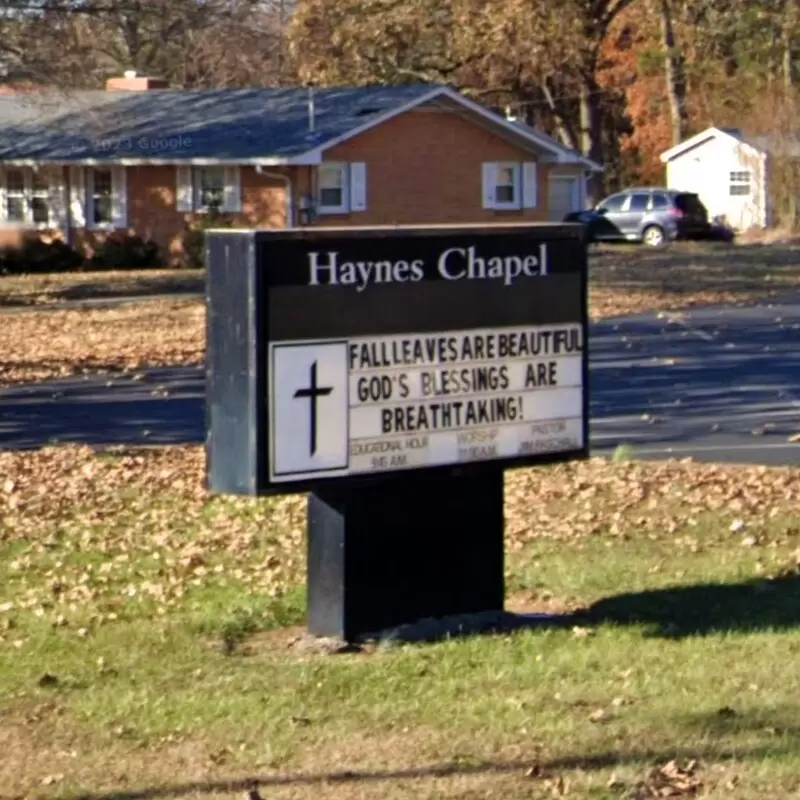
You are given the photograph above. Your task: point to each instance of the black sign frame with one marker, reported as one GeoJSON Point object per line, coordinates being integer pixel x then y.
{"type": "Point", "coordinates": [253, 292]}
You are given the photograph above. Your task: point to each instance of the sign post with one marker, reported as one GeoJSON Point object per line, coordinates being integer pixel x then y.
{"type": "Point", "coordinates": [394, 374]}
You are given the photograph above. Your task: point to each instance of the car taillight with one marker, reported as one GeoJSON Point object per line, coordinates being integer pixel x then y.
{"type": "Point", "coordinates": [676, 212]}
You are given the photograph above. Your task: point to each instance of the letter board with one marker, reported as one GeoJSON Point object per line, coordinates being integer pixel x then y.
{"type": "Point", "coordinates": [347, 354]}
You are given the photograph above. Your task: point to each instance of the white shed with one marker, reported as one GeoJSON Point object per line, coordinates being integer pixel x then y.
{"type": "Point", "coordinates": [727, 171]}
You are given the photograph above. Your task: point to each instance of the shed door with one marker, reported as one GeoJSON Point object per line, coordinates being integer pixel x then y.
{"type": "Point", "coordinates": [562, 196]}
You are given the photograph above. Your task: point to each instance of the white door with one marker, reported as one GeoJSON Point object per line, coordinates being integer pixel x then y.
{"type": "Point", "coordinates": [742, 210]}
{"type": "Point", "coordinates": [562, 196]}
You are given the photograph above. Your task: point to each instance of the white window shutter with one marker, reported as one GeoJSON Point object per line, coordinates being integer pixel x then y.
{"type": "Point", "coordinates": [489, 185]}
{"type": "Point", "coordinates": [183, 189]}
{"type": "Point", "coordinates": [3, 209]}
{"type": "Point", "coordinates": [119, 178]}
{"type": "Point", "coordinates": [358, 186]}
{"type": "Point", "coordinates": [59, 202]}
{"type": "Point", "coordinates": [233, 190]}
{"type": "Point", "coordinates": [529, 185]}
{"type": "Point", "coordinates": [77, 197]}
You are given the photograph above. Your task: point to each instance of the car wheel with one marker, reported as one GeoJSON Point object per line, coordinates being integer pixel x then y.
{"type": "Point", "coordinates": [653, 236]}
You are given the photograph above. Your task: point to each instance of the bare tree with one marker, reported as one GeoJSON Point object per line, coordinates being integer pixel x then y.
{"type": "Point", "coordinates": [187, 42]}
{"type": "Point", "coordinates": [674, 72]}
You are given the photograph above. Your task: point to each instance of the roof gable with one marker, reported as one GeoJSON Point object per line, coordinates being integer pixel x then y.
{"type": "Point", "coordinates": [732, 134]}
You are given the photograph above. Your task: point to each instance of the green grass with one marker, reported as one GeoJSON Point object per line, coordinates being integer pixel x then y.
{"type": "Point", "coordinates": [684, 646]}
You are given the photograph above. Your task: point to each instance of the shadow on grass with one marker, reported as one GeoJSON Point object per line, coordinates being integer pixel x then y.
{"type": "Point", "coordinates": [697, 610]}
{"type": "Point", "coordinates": [589, 762]}
{"type": "Point", "coordinates": [190, 282]}
{"type": "Point", "coordinates": [137, 284]}
{"type": "Point", "coordinates": [673, 612]}
{"type": "Point", "coordinates": [726, 721]}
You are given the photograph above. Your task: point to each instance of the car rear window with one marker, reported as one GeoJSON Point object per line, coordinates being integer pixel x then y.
{"type": "Point", "coordinates": [660, 201]}
{"type": "Point", "coordinates": [690, 204]}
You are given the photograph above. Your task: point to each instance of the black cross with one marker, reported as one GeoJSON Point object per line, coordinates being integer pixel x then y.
{"type": "Point", "coordinates": [312, 393]}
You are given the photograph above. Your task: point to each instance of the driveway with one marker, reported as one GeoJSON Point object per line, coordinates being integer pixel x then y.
{"type": "Point", "coordinates": [715, 384]}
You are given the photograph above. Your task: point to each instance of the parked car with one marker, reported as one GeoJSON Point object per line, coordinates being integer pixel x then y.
{"type": "Point", "coordinates": [650, 215]}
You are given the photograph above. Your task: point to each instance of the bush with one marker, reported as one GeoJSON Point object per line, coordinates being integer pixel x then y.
{"type": "Point", "coordinates": [194, 237]}
{"type": "Point", "coordinates": [37, 256]}
{"type": "Point", "coordinates": [127, 252]}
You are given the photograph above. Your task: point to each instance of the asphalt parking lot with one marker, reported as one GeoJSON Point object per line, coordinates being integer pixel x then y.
{"type": "Point", "coordinates": [715, 384]}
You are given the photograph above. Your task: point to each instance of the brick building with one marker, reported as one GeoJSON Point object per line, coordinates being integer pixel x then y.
{"type": "Point", "coordinates": [142, 158]}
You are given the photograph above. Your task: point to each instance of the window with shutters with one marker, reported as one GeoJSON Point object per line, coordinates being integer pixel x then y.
{"type": "Point", "coordinates": [332, 189]}
{"type": "Point", "coordinates": [509, 186]}
{"type": "Point", "coordinates": [506, 186]}
{"type": "Point", "coordinates": [100, 194]}
{"type": "Point", "coordinates": [16, 202]}
{"type": "Point", "coordinates": [209, 188]}
{"type": "Point", "coordinates": [40, 199]}
{"type": "Point", "coordinates": [28, 198]}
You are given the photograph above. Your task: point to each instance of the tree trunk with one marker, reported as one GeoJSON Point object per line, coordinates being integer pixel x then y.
{"type": "Point", "coordinates": [591, 131]}
{"type": "Point", "coordinates": [676, 79]}
{"type": "Point", "coordinates": [788, 65]}
{"type": "Point", "coordinates": [563, 132]}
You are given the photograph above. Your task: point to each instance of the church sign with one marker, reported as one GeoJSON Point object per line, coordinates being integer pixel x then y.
{"type": "Point", "coordinates": [341, 359]}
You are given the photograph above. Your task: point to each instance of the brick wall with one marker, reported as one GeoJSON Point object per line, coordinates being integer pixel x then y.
{"type": "Point", "coordinates": [422, 167]}
{"type": "Point", "coordinates": [425, 167]}
{"type": "Point", "coordinates": [152, 211]}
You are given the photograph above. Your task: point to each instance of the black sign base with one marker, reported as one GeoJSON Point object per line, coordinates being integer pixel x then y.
{"type": "Point", "coordinates": [408, 548]}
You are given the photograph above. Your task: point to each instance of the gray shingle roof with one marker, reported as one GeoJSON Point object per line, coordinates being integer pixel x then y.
{"type": "Point", "coordinates": [180, 125]}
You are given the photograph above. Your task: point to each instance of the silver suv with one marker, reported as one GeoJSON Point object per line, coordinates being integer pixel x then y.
{"type": "Point", "coordinates": [652, 215]}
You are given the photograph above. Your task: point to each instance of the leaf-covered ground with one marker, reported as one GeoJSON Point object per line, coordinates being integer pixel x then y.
{"type": "Point", "coordinates": [145, 632]}
{"type": "Point", "coordinates": [146, 627]}
{"type": "Point", "coordinates": [54, 341]}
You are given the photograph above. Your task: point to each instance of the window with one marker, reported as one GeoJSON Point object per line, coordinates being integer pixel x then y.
{"type": "Point", "coordinates": [40, 199]}
{"type": "Point", "coordinates": [510, 186]}
{"type": "Point", "coordinates": [201, 189]}
{"type": "Point", "coordinates": [639, 202]}
{"type": "Point", "coordinates": [613, 203]}
{"type": "Point", "coordinates": [739, 184]}
{"type": "Point", "coordinates": [101, 197]}
{"type": "Point", "coordinates": [660, 202]}
{"type": "Point", "coordinates": [28, 199]}
{"type": "Point", "coordinates": [332, 188]}
{"type": "Point", "coordinates": [506, 187]}
{"type": "Point", "coordinates": [16, 210]}
{"type": "Point", "coordinates": [209, 188]}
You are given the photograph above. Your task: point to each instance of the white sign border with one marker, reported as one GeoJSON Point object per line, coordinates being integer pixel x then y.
{"type": "Point", "coordinates": [288, 477]}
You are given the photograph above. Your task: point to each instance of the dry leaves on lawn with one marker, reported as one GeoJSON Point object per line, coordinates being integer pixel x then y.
{"type": "Point", "coordinates": [147, 512]}
{"type": "Point", "coordinates": [162, 534]}
{"type": "Point", "coordinates": [669, 780]}
{"type": "Point", "coordinates": [51, 344]}
{"type": "Point", "coordinates": [631, 498]}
